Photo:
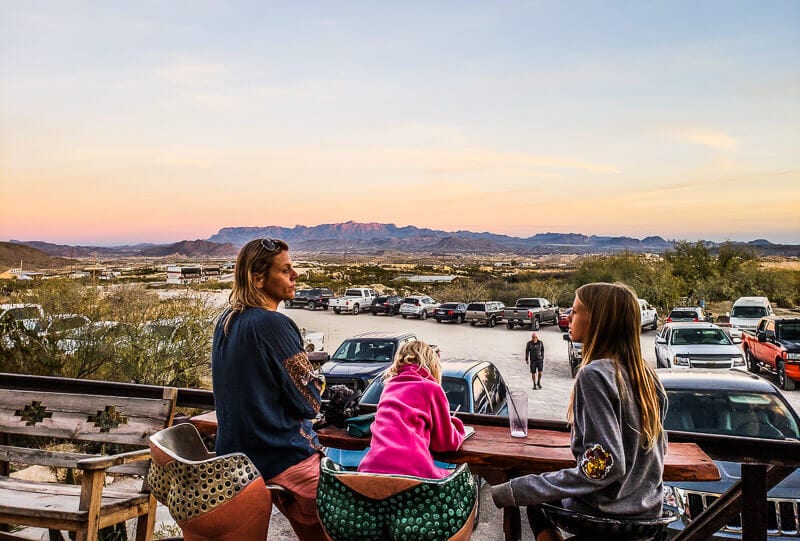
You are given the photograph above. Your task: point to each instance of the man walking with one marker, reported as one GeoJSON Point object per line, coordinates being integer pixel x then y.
{"type": "Point", "coordinates": [534, 355]}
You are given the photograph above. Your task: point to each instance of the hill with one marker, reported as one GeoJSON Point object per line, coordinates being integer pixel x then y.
{"type": "Point", "coordinates": [12, 253]}
{"type": "Point", "coordinates": [192, 248]}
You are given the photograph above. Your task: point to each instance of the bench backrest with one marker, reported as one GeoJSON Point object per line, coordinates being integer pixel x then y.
{"type": "Point", "coordinates": [86, 417]}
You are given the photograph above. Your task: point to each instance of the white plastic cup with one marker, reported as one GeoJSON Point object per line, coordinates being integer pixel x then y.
{"type": "Point", "coordinates": [518, 414]}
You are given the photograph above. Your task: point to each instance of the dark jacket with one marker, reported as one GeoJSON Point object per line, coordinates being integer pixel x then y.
{"type": "Point", "coordinates": [534, 351]}
{"type": "Point", "coordinates": [263, 391]}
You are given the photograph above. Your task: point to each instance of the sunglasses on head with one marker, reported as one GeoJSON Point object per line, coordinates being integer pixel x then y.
{"type": "Point", "coordinates": [270, 245]}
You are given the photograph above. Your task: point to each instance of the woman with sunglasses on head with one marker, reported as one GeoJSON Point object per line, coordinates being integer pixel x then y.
{"type": "Point", "coordinates": [265, 390]}
{"type": "Point", "coordinates": [616, 411]}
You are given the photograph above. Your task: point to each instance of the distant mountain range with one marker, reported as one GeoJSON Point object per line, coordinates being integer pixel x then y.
{"type": "Point", "coordinates": [357, 237]}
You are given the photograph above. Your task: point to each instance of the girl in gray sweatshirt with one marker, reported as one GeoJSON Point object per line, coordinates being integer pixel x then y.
{"type": "Point", "coordinates": [616, 411]}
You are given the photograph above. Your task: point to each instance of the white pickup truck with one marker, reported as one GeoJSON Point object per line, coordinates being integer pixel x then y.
{"type": "Point", "coordinates": [355, 299]}
{"type": "Point", "coordinates": [649, 315]}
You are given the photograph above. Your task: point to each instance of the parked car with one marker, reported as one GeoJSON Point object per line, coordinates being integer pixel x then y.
{"type": "Point", "coordinates": [30, 316]}
{"type": "Point", "coordinates": [531, 312]}
{"type": "Point", "coordinates": [354, 300]}
{"type": "Point", "coordinates": [386, 304]}
{"type": "Point", "coordinates": [420, 306]}
{"type": "Point", "coordinates": [471, 386]}
{"type": "Point", "coordinates": [311, 299]}
{"type": "Point", "coordinates": [313, 340]}
{"type": "Point", "coordinates": [738, 404]}
{"type": "Point", "coordinates": [747, 312]}
{"type": "Point", "coordinates": [696, 345]}
{"type": "Point", "coordinates": [574, 354]}
{"type": "Point", "coordinates": [450, 311]}
{"type": "Point", "coordinates": [563, 319]}
{"type": "Point", "coordinates": [775, 346]}
{"type": "Point", "coordinates": [688, 313]}
{"type": "Point", "coordinates": [65, 330]}
{"type": "Point", "coordinates": [361, 358]}
{"type": "Point", "coordinates": [489, 313]}
{"type": "Point", "coordinates": [649, 315]}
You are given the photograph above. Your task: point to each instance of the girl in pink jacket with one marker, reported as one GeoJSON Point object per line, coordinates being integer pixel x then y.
{"type": "Point", "coordinates": [413, 417]}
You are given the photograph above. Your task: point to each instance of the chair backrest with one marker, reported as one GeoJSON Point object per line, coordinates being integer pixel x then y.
{"type": "Point", "coordinates": [353, 506]}
{"type": "Point", "coordinates": [193, 482]}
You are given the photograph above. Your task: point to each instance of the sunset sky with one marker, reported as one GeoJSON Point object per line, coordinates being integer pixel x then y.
{"type": "Point", "coordinates": [127, 122]}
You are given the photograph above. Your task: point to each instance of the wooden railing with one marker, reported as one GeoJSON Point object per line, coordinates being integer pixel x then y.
{"type": "Point", "coordinates": [765, 463]}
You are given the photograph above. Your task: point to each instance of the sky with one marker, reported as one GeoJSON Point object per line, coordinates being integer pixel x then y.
{"type": "Point", "coordinates": [152, 121]}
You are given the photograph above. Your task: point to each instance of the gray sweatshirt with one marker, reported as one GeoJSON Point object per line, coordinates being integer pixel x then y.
{"type": "Point", "coordinates": [613, 475]}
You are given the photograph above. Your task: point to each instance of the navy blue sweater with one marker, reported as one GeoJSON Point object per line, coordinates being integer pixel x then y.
{"type": "Point", "coordinates": [263, 392]}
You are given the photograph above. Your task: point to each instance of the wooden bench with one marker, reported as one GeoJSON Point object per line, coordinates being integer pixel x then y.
{"type": "Point", "coordinates": [103, 419]}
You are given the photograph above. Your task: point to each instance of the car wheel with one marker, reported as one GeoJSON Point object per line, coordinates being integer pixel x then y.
{"type": "Point", "coordinates": [659, 364]}
{"type": "Point", "coordinates": [324, 306]}
{"type": "Point", "coordinates": [374, 313]}
{"type": "Point", "coordinates": [472, 323]}
{"type": "Point", "coordinates": [787, 384]}
{"type": "Point", "coordinates": [535, 324]}
{"type": "Point", "coordinates": [287, 304]}
{"type": "Point", "coordinates": [424, 315]}
{"type": "Point", "coordinates": [404, 316]}
{"type": "Point", "coordinates": [461, 319]}
{"type": "Point", "coordinates": [491, 322]}
{"type": "Point", "coordinates": [574, 367]}
{"type": "Point", "coordinates": [311, 305]}
{"type": "Point", "coordinates": [510, 325]}
{"type": "Point", "coordinates": [752, 364]}
{"type": "Point", "coordinates": [654, 326]}
{"type": "Point", "coordinates": [337, 310]}
{"type": "Point", "coordinates": [356, 309]}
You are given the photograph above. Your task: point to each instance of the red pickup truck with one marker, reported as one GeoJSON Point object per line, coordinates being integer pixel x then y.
{"type": "Point", "coordinates": [776, 346]}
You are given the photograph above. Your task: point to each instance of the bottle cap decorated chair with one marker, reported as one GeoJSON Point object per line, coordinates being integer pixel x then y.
{"type": "Point", "coordinates": [357, 506]}
{"type": "Point", "coordinates": [222, 498]}
{"type": "Point", "coordinates": [586, 526]}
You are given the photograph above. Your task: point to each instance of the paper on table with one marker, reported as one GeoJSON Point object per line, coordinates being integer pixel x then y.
{"type": "Point", "coordinates": [468, 431]}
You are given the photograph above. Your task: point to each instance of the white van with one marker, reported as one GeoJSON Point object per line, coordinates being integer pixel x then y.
{"type": "Point", "coordinates": [747, 312]}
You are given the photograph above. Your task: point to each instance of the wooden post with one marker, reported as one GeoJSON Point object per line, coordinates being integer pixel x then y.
{"type": "Point", "coordinates": [754, 502]}
{"type": "Point", "coordinates": [91, 497]}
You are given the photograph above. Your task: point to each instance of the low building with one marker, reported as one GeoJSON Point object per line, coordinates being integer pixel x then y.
{"type": "Point", "coordinates": [184, 275]}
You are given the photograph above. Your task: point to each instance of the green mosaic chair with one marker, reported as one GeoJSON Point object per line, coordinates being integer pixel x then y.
{"type": "Point", "coordinates": [357, 506]}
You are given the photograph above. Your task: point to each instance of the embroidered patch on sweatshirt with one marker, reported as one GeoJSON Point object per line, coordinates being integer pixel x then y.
{"type": "Point", "coordinates": [596, 462]}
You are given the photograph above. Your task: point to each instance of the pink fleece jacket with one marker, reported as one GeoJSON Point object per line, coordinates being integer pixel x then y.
{"type": "Point", "coordinates": [413, 419]}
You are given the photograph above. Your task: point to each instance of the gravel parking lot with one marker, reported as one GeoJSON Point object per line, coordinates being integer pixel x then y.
{"type": "Point", "coordinates": [503, 347]}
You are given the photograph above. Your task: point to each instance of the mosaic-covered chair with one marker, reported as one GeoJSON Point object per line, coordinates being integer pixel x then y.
{"type": "Point", "coordinates": [222, 498]}
{"type": "Point", "coordinates": [357, 506]}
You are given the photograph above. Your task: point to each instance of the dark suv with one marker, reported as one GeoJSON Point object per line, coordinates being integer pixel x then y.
{"type": "Point", "coordinates": [360, 358]}
{"type": "Point", "coordinates": [310, 298]}
{"type": "Point", "coordinates": [731, 403]}
{"type": "Point", "coordinates": [386, 304]}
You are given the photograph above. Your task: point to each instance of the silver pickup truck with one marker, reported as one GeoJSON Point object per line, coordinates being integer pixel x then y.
{"type": "Point", "coordinates": [531, 312]}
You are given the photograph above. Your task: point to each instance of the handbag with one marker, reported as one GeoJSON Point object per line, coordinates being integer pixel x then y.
{"type": "Point", "coordinates": [359, 426]}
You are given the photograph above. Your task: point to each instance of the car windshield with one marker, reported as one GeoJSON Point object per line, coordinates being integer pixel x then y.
{"type": "Point", "coordinates": [750, 312]}
{"type": "Point", "coordinates": [789, 331]}
{"type": "Point", "coordinates": [302, 293]}
{"type": "Point", "coordinates": [693, 337]}
{"type": "Point", "coordinates": [28, 312]}
{"type": "Point", "coordinates": [454, 388]}
{"type": "Point", "coordinates": [352, 293]}
{"type": "Point", "coordinates": [448, 306]}
{"type": "Point", "coordinates": [409, 300]}
{"type": "Point", "coordinates": [365, 351]}
{"type": "Point", "coordinates": [755, 415]}
{"type": "Point", "coordinates": [528, 303]}
{"type": "Point", "coordinates": [66, 323]}
{"type": "Point", "coordinates": [379, 300]}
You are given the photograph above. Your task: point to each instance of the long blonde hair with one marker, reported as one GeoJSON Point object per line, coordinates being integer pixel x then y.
{"type": "Point", "coordinates": [254, 261]}
{"type": "Point", "coordinates": [612, 333]}
{"type": "Point", "coordinates": [418, 353]}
